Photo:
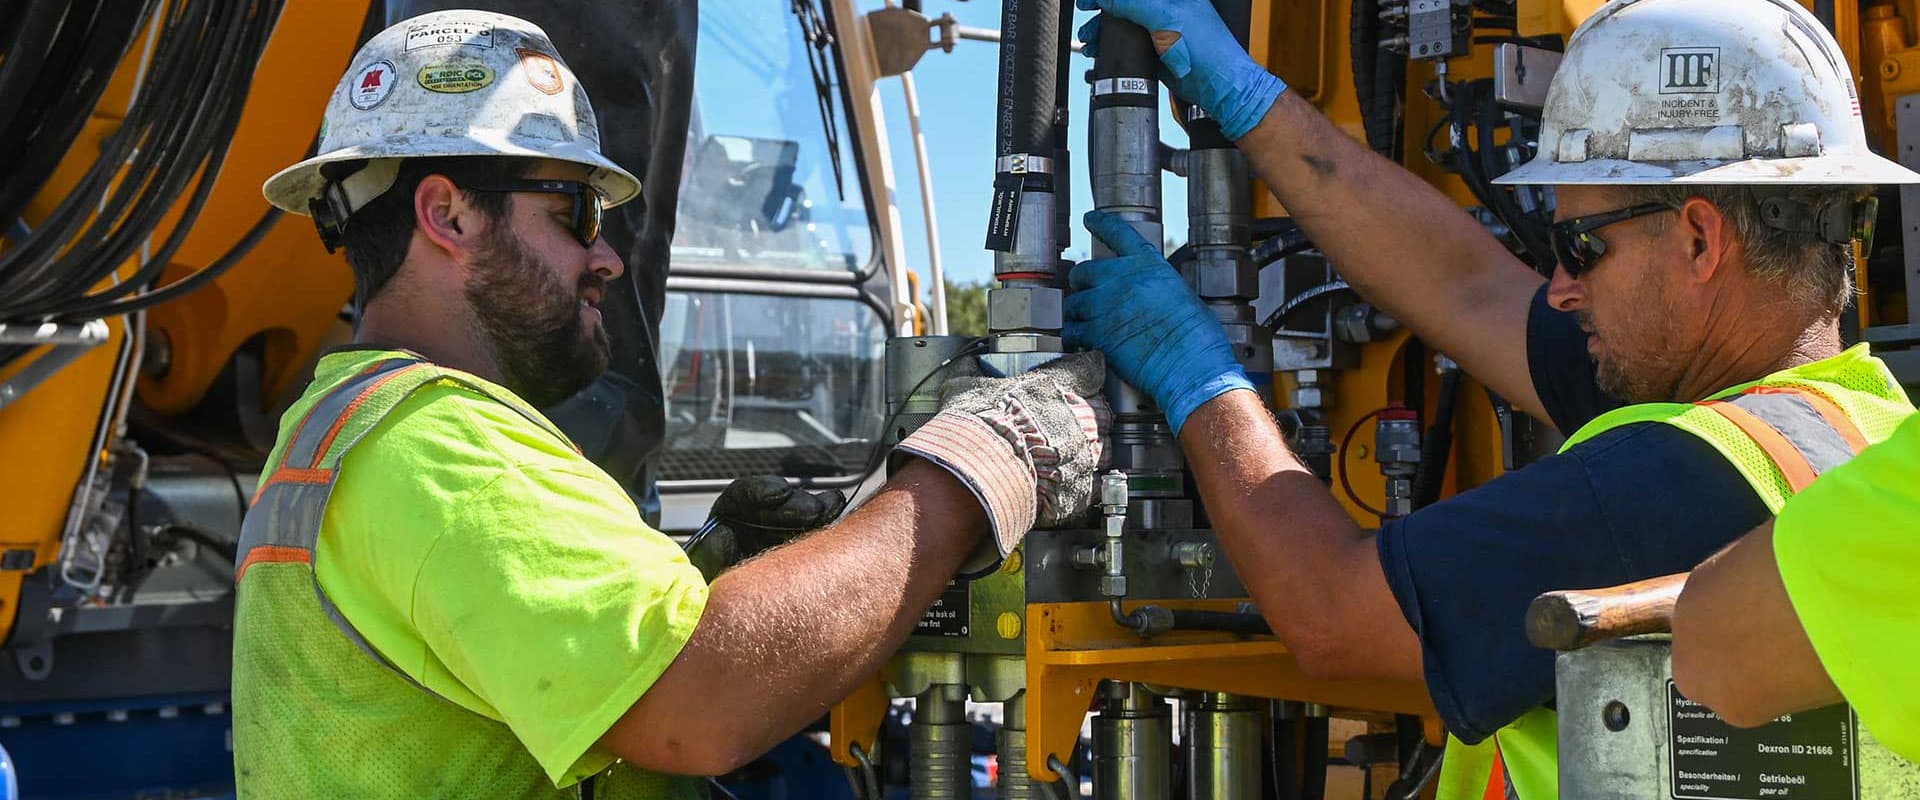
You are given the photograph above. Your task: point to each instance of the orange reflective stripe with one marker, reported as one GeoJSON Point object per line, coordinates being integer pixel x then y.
{"type": "Point", "coordinates": [1497, 777]}
{"type": "Point", "coordinates": [1792, 463]}
{"type": "Point", "coordinates": [292, 475]}
{"type": "Point", "coordinates": [1829, 410]}
{"type": "Point", "coordinates": [274, 554]}
{"type": "Point", "coordinates": [320, 453]}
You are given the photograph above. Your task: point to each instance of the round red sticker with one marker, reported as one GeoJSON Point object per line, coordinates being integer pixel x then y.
{"type": "Point", "coordinates": [371, 85]}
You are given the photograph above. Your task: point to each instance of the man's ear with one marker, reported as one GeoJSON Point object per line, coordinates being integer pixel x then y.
{"type": "Point", "coordinates": [1708, 236]}
{"type": "Point", "coordinates": [447, 219]}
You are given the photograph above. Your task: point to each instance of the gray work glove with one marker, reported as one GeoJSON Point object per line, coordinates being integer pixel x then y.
{"type": "Point", "coordinates": [1028, 446]}
{"type": "Point", "coordinates": [756, 514]}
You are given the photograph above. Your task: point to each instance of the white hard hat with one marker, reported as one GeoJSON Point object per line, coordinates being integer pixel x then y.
{"type": "Point", "coordinates": [449, 83]}
{"type": "Point", "coordinates": [1704, 91]}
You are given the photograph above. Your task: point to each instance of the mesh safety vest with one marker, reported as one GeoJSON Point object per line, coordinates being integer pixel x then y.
{"type": "Point", "coordinates": [1780, 432]}
{"type": "Point", "coordinates": [318, 711]}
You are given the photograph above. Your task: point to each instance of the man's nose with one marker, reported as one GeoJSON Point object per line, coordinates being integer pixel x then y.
{"type": "Point", "coordinates": [1565, 292]}
{"type": "Point", "coordinates": [605, 262]}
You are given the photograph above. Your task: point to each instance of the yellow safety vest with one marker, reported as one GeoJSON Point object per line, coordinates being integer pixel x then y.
{"type": "Point", "coordinates": [1780, 432]}
{"type": "Point", "coordinates": [304, 678]}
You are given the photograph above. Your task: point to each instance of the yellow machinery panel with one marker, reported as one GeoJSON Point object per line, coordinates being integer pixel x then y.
{"type": "Point", "coordinates": [287, 289]}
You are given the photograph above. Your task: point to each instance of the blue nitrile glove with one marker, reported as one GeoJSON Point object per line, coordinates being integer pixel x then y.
{"type": "Point", "coordinates": [1207, 67]}
{"type": "Point", "coordinates": [1135, 308]}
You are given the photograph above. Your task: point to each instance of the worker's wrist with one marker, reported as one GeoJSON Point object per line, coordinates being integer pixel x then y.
{"type": "Point", "coordinates": [1182, 404]}
{"type": "Point", "coordinates": [1245, 108]}
{"type": "Point", "coordinates": [983, 461]}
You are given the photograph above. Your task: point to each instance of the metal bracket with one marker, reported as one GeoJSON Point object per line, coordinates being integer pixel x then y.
{"type": "Point", "coordinates": [1023, 164]}
{"type": "Point", "coordinates": [65, 343]}
{"type": "Point", "coordinates": [900, 38]}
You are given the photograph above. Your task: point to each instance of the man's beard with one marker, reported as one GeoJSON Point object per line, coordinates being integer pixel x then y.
{"type": "Point", "coordinates": [1652, 377]}
{"type": "Point", "coordinates": [544, 350]}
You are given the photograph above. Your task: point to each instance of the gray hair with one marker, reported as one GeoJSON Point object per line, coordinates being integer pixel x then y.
{"type": "Point", "coordinates": [1812, 272]}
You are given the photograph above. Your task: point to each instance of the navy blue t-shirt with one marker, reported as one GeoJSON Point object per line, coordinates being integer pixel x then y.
{"type": "Point", "coordinates": [1636, 502]}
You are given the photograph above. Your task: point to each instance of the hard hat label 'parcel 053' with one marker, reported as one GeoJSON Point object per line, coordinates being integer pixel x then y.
{"type": "Point", "coordinates": [471, 34]}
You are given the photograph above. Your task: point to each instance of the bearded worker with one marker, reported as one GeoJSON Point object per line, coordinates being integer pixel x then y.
{"type": "Point", "coordinates": [438, 595]}
{"type": "Point", "coordinates": [1687, 344]}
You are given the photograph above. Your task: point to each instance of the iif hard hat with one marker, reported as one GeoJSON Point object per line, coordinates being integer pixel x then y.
{"type": "Point", "coordinates": [1704, 91]}
{"type": "Point", "coordinates": [448, 83]}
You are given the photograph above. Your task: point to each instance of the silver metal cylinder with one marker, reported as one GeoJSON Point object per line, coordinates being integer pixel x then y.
{"type": "Point", "coordinates": [910, 361]}
{"type": "Point", "coordinates": [941, 740]}
{"type": "Point", "coordinates": [1222, 739]}
{"type": "Point", "coordinates": [1132, 745]}
{"type": "Point", "coordinates": [1123, 156]}
{"type": "Point", "coordinates": [1011, 747]}
{"type": "Point", "coordinates": [1036, 243]}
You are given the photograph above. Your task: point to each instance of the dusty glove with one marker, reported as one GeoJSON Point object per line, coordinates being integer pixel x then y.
{"type": "Point", "coordinates": [756, 514]}
{"type": "Point", "coordinates": [1028, 446]}
{"type": "Point", "coordinates": [1206, 67]}
{"type": "Point", "coordinates": [1156, 334]}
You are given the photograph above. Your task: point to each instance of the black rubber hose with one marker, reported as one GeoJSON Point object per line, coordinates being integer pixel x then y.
{"type": "Point", "coordinates": [1313, 778]}
{"type": "Point", "coordinates": [75, 73]}
{"type": "Point", "coordinates": [1029, 47]}
{"type": "Point", "coordinates": [1436, 448]}
{"type": "Point", "coordinates": [1375, 91]}
{"type": "Point", "coordinates": [105, 304]}
{"type": "Point", "coordinates": [1224, 621]}
{"type": "Point", "coordinates": [1063, 220]}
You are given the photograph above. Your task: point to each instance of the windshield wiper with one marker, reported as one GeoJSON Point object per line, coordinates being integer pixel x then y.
{"type": "Point", "coordinates": [813, 28]}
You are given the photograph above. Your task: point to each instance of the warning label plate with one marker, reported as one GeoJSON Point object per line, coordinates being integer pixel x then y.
{"type": "Point", "coordinates": [948, 616]}
{"type": "Point", "coordinates": [1806, 756]}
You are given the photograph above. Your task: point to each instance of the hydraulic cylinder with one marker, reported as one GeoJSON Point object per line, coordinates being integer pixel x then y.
{"type": "Point", "coordinates": [940, 740]}
{"type": "Point", "coordinates": [1221, 736]}
{"type": "Point", "coordinates": [1132, 745]}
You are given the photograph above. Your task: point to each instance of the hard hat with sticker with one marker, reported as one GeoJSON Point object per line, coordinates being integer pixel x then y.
{"type": "Point", "coordinates": [448, 83]}
{"type": "Point", "coordinates": [1704, 91]}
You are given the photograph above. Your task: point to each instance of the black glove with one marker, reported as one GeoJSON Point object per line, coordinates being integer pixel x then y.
{"type": "Point", "coordinates": [756, 514]}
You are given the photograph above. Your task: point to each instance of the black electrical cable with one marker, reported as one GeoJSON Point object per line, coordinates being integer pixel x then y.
{"type": "Point", "coordinates": [172, 144]}
{"type": "Point", "coordinates": [880, 448]}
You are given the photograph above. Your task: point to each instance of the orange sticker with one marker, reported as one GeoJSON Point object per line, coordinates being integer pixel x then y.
{"type": "Point", "coordinates": [542, 71]}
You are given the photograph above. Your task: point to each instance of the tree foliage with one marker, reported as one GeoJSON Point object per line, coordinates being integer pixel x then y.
{"type": "Point", "coordinates": [967, 309]}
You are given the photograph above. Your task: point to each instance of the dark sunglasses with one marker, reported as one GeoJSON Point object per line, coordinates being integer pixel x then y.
{"type": "Point", "coordinates": [1576, 246]}
{"type": "Point", "coordinates": [587, 205]}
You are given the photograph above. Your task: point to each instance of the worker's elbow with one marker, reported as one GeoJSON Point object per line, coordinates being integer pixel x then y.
{"type": "Point", "coordinates": [1321, 656]}
{"type": "Point", "coordinates": [705, 757]}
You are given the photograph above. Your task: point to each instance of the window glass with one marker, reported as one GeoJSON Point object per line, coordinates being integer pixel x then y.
{"type": "Point", "coordinates": [759, 186]}
{"type": "Point", "coordinates": [759, 384]}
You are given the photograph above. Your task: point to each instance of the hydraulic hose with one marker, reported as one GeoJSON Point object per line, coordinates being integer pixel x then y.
{"type": "Point", "coordinates": [1029, 48]}
{"type": "Point", "coordinates": [1436, 449]}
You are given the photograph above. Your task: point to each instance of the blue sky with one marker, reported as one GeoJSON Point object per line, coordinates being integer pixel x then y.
{"type": "Point", "coordinates": [957, 114]}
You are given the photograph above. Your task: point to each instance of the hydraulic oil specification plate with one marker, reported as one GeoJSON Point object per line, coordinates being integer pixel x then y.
{"type": "Point", "coordinates": [1806, 756]}
{"type": "Point", "coordinates": [950, 615]}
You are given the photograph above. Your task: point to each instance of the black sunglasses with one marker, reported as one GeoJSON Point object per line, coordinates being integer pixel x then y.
{"type": "Point", "coordinates": [588, 207]}
{"type": "Point", "coordinates": [1576, 246]}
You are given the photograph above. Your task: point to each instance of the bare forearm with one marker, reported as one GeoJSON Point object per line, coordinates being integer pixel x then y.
{"type": "Point", "coordinates": [789, 633]}
{"type": "Point", "coordinates": [1401, 243]}
{"type": "Point", "coordinates": [1735, 614]}
{"type": "Point", "coordinates": [1312, 571]}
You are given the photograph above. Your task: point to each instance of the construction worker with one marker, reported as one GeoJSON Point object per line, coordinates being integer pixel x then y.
{"type": "Point", "coordinates": [438, 595]}
{"type": "Point", "coordinates": [1823, 596]}
{"type": "Point", "coordinates": [1687, 343]}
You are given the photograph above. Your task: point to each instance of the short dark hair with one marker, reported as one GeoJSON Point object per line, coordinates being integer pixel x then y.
{"type": "Point", "coordinates": [377, 235]}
